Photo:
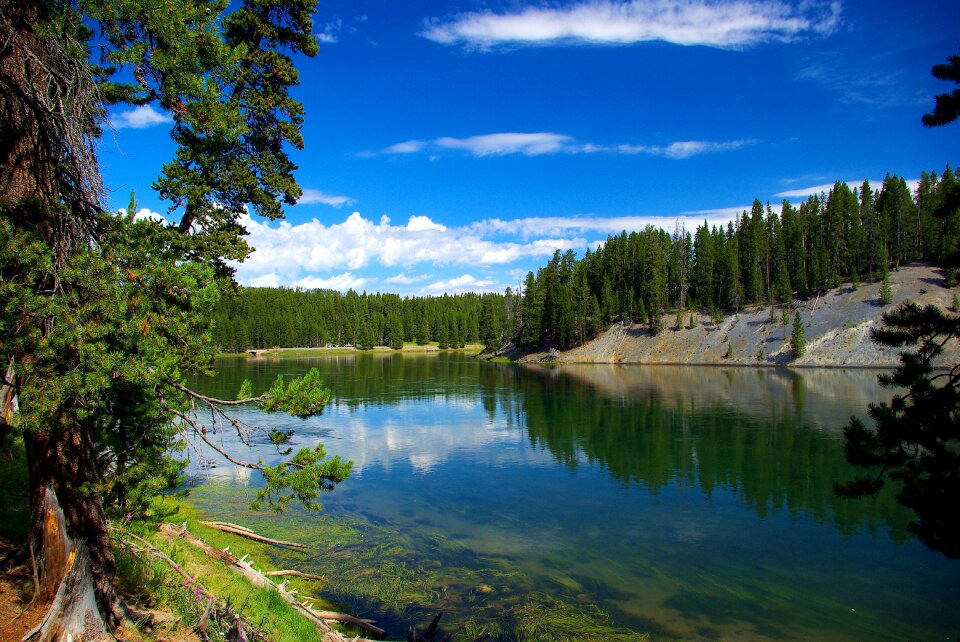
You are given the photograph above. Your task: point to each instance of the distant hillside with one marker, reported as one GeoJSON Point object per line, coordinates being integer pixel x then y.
{"type": "Point", "coordinates": [837, 327]}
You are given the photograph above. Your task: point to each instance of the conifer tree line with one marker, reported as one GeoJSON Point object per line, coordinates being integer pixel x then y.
{"type": "Point", "coordinates": [267, 317]}
{"type": "Point", "coordinates": [765, 257]}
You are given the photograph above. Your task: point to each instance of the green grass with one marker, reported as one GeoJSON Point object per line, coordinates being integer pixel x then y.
{"type": "Point", "coordinates": [153, 582]}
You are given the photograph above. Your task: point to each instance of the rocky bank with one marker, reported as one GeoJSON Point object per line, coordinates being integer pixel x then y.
{"type": "Point", "coordinates": [837, 328]}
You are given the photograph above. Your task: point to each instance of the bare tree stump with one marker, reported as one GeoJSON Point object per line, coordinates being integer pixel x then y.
{"type": "Point", "coordinates": [67, 567]}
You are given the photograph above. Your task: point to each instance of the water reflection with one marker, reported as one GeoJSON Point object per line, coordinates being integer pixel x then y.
{"type": "Point", "coordinates": [697, 502]}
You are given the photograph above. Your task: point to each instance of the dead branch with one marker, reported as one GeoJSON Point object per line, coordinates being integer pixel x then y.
{"type": "Point", "coordinates": [249, 534]}
{"type": "Point", "coordinates": [306, 576]}
{"type": "Point", "coordinates": [257, 578]}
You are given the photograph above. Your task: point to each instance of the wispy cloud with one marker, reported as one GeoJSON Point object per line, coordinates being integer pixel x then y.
{"type": "Point", "coordinates": [406, 279]}
{"type": "Point", "coordinates": [686, 148]}
{"type": "Point", "coordinates": [711, 23]}
{"type": "Point", "coordinates": [139, 118]}
{"type": "Point", "coordinates": [878, 81]}
{"type": "Point", "coordinates": [508, 143]}
{"type": "Point", "coordinates": [825, 188]}
{"type": "Point", "coordinates": [330, 33]}
{"type": "Point", "coordinates": [559, 226]}
{"type": "Point", "coordinates": [314, 196]}
{"type": "Point", "coordinates": [542, 143]}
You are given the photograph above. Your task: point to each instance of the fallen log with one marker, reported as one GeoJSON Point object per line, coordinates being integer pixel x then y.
{"type": "Point", "coordinates": [257, 578]}
{"type": "Point", "coordinates": [306, 576]}
{"type": "Point", "coordinates": [227, 527]}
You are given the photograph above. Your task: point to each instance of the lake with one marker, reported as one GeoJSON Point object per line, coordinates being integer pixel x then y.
{"type": "Point", "coordinates": [608, 501]}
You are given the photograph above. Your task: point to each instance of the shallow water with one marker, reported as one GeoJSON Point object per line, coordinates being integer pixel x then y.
{"type": "Point", "coordinates": [684, 502]}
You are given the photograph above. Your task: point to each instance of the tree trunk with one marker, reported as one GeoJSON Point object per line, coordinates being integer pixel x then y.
{"type": "Point", "coordinates": [63, 461]}
{"type": "Point", "coordinates": [66, 566]}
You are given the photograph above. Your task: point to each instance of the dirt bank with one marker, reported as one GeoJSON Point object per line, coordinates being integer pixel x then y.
{"type": "Point", "coordinates": [837, 327]}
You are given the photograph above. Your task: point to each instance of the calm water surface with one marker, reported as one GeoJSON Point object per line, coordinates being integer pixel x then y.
{"type": "Point", "coordinates": [686, 502]}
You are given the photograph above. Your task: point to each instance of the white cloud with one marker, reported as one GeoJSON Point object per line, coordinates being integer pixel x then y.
{"type": "Point", "coordinates": [723, 24]}
{"type": "Point", "coordinates": [312, 196]}
{"type": "Point", "coordinates": [139, 118]}
{"type": "Point", "coordinates": [718, 216]}
{"type": "Point", "coordinates": [343, 282]}
{"type": "Point", "coordinates": [560, 226]}
{"type": "Point", "coordinates": [405, 279]}
{"type": "Point", "coordinates": [685, 148]}
{"type": "Point", "coordinates": [508, 143]}
{"type": "Point", "coordinates": [422, 224]}
{"type": "Point", "coordinates": [287, 253]}
{"type": "Point", "coordinates": [406, 147]}
{"type": "Point", "coordinates": [329, 33]}
{"type": "Point", "coordinates": [464, 283]}
{"type": "Point", "coordinates": [825, 188]}
{"type": "Point", "coordinates": [541, 143]}
{"type": "Point", "coordinates": [144, 214]}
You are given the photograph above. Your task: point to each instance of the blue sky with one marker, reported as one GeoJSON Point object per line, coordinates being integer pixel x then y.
{"type": "Point", "coordinates": [454, 146]}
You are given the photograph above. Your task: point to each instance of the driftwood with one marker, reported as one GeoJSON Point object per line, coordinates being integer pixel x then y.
{"type": "Point", "coordinates": [306, 576]}
{"type": "Point", "coordinates": [257, 578]}
{"type": "Point", "coordinates": [227, 527]}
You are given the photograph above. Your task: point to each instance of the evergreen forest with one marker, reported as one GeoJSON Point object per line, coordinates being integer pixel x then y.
{"type": "Point", "coordinates": [764, 257]}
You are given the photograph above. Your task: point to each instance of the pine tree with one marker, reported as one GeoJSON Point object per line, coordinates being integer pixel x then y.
{"type": "Point", "coordinates": [886, 293]}
{"type": "Point", "coordinates": [914, 438]}
{"type": "Point", "coordinates": [798, 342]}
{"type": "Point", "coordinates": [129, 317]}
{"type": "Point", "coordinates": [946, 107]}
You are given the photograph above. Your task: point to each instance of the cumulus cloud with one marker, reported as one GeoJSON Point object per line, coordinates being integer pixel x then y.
{"type": "Point", "coordinates": [456, 285]}
{"type": "Point", "coordinates": [314, 196]}
{"type": "Point", "coordinates": [144, 214]}
{"type": "Point", "coordinates": [426, 257]}
{"type": "Point", "coordinates": [541, 143]}
{"type": "Point", "coordinates": [722, 24]}
{"type": "Point", "coordinates": [287, 253]}
{"type": "Point", "coordinates": [343, 282]}
{"type": "Point", "coordinates": [139, 118]}
{"type": "Point", "coordinates": [422, 224]}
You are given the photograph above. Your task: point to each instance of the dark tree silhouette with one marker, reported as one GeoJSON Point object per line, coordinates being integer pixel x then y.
{"type": "Point", "coordinates": [916, 440]}
{"type": "Point", "coordinates": [946, 108]}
